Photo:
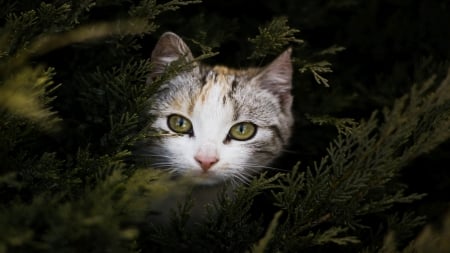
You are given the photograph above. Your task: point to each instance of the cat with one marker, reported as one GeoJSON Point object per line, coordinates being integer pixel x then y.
{"type": "Point", "coordinates": [218, 124]}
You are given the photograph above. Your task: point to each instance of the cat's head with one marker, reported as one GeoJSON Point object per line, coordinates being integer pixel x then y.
{"type": "Point", "coordinates": [218, 123]}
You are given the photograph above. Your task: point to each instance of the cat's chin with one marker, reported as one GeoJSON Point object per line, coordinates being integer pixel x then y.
{"type": "Point", "coordinates": [201, 178]}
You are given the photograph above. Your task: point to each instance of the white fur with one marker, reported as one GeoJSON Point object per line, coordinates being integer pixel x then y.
{"type": "Point", "coordinates": [211, 122]}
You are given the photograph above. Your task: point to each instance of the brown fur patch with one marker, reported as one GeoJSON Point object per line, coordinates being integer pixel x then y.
{"type": "Point", "coordinates": [205, 90]}
{"type": "Point", "coordinates": [224, 70]}
{"type": "Point", "coordinates": [218, 76]}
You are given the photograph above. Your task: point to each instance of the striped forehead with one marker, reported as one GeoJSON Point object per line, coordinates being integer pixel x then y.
{"type": "Point", "coordinates": [213, 106]}
{"type": "Point", "coordinates": [217, 84]}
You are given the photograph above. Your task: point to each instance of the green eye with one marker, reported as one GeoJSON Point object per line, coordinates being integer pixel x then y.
{"type": "Point", "coordinates": [242, 131]}
{"type": "Point", "coordinates": [179, 124]}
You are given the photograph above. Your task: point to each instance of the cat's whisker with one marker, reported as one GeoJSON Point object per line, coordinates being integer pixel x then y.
{"type": "Point", "coordinates": [233, 182]}
{"type": "Point", "coordinates": [232, 177]}
{"type": "Point", "coordinates": [258, 167]}
{"type": "Point", "coordinates": [162, 166]}
{"type": "Point", "coordinates": [242, 176]}
{"type": "Point", "coordinates": [155, 155]}
{"type": "Point", "coordinates": [170, 167]}
{"type": "Point", "coordinates": [163, 163]}
{"type": "Point", "coordinates": [173, 171]}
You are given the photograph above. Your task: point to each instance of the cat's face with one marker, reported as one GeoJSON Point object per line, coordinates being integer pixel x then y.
{"type": "Point", "coordinates": [218, 123]}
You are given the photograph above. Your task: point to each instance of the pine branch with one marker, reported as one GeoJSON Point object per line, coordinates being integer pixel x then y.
{"type": "Point", "coordinates": [317, 68]}
{"type": "Point", "coordinates": [332, 236]}
{"type": "Point", "coordinates": [273, 37]}
{"type": "Point", "coordinates": [26, 93]}
{"type": "Point", "coordinates": [261, 245]}
{"type": "Point", "coordinates": [344, 126]}
{"type": "Point", "coordinates": [345, 184]}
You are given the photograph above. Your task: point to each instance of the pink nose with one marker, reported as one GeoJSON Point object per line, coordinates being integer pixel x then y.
{"type": "Point", "coordinates": [206, 162]}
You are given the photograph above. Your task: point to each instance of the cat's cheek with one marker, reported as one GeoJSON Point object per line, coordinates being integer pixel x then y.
{"type": "Point", "coordinates": [179, 146]}
{"type": "Point", "coordinates": [263, 148]}
{"type": "Point", "coordinates": [234, 159]}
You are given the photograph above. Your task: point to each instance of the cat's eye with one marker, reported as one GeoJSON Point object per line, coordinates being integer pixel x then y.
{"type": "Point", "coordinates": [242, 131]}
{"type": "Point", "coordinates": [179, 124]}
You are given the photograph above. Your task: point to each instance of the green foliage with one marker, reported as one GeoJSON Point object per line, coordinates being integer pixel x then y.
{"type": "Point", "coordinates": [26, 94]}
{"type": "Point", "coordinates": [96, 222]}
{"type": "Point", "coordinates": [430, 239]}
{"type": "Point", "coordinates": [277, 36]}
{"type": "Point", "coordinates": [344, 126]}
{"type": "Point", "coordinates": [316, 68]}
{"type": "Point", "coordinates": [261, 245]}
{"type": "Point", "coordinates": [73, 101]}
{"type": "Point", "coordinates": [273, 37]}
{"type": "Point", "coordinates": [356, 177]}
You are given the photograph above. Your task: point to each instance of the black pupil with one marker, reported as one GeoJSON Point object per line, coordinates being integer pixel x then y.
{"type": "Point", "coordinates": [241, 128]}
{"type": "Point", "coordinates": [180, 122]}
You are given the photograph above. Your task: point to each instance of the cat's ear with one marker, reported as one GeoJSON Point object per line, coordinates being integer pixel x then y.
{"type": "Point", "coordinates": [169, 48]}
{"type": "Point", "coordinates": [277, 78]}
